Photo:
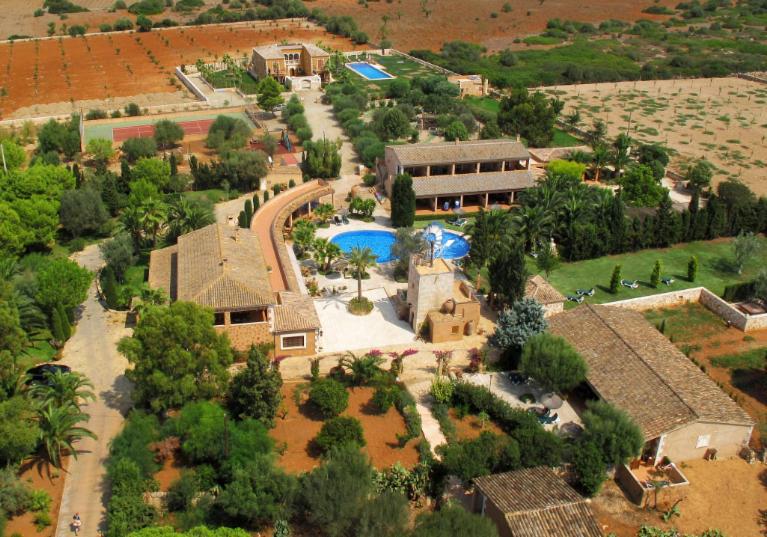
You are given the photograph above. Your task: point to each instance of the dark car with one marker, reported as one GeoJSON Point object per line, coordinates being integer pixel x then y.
{"type": "Point", "coordinates": [38, 373]}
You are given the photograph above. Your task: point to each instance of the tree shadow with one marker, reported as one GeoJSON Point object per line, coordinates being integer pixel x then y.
{"type": "Point", "coordinates": [723, 266]}
{"type": "Point", "coordinates": [118, 397]}
{"type": "Point", "coordinates": [752, 382]}
{"type": "Point", "coordinates": [369, 408]}
{"type": "Point", "coordinates": [310, 412]}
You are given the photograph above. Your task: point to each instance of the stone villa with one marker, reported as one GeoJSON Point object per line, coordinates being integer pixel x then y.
{"type": "Point", "coordinates": [472, 173]}
{"type": "Point", "coordinates": [223, 268]}
{"type": "Point", "coordinates": [299, 65]}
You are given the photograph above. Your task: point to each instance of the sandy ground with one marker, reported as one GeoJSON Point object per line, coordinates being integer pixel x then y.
{"type": "Point", "coordinates": [18, 17]}
{"type": "Point", "coordinates": [39, 475]}
{"type": "Point", "coordinates": [723, 120]}
{"type": "Point", "coordinates": [295, 431]}
{"type": "Point", "coordinates": [93, 351]}
{"type": "Point", "coordinates": [409, 27]}
{"type": "Point", "coordinates": [728, 495]}
{"type": "Point", "coordinates": [100, 69]}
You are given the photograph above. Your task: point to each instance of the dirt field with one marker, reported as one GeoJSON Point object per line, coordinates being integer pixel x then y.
{"type": "Point", "coordinates": [410, 28]}
{"type": "Point", "coordinates": [18, 17]}
{"type": "Point", "coordinates": [39, 477]}
{"type": "Point", "coordinates": [111, 66]}
{"type": "Point", "coordinates": [301, 425]}
{"type": "Point", "coordinates": [721, 119]}
{"type": "Point", "coordinates": [469, 427]}
{"type": "Point", "coordinates": [728, 495]}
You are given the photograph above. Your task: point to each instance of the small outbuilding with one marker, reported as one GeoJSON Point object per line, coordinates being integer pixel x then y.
{"type": "Point", "coordinates": [534, 502]}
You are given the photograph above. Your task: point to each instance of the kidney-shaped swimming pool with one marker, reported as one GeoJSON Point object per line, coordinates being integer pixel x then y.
{"type": "Point", "coordinates": [453, 245]}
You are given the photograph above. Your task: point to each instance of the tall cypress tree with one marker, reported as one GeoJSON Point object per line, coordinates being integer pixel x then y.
{"type": "Point", "coordinates": [173, 165]}
{"type": "Point", "coordinates": [109, 287]}
{"type": "Point", "coordinates": [403, 201]}
{"type": "Point", "coordinates": [56, 327]}
{"type": "Point", "coordinates": [109, 194]}
{"type": "Point", "coordinates": [665, 230]}
{"type": "Point", "coordinates": [65, 324]}
{"type": "Point", "coordinates": [617, 225]}
{"type": "Point", "coordinates": [508, 274]}
{"type": "Point", "coordinates": [124, 182]}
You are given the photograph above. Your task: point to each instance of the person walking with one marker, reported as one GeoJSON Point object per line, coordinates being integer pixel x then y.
{"type": "Point", "coordinates": [76, 523]}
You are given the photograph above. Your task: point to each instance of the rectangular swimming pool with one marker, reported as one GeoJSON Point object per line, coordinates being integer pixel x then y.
{"type": "Point", "coordinates": [369, 72]}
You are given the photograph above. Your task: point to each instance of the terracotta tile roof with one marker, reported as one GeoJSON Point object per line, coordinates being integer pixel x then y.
{"type": "Point", "coordinates": [541, 290]}
{"type": "Point", "coordinates": [222, 267]}
{"type": "Point", "coordinates": [295, 313]}
{"type": "Point", "coordinates": [537, 503]}
{"type": "Point", "coordinates": [448, 152]}
{"type": "Point", "coordinates": [636, 368]}
{"type": "Point", "coordinates": [472, 183]}
{"type": "Point", "coordinates": [162, 270]}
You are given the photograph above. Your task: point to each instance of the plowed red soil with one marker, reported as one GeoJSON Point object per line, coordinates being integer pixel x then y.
{"type": "Point", "coordinates": [119, 65]}
{"type": "Point", "coordinates": [301, 424]}
{"type": "Point", "coordinates": [409, 28]}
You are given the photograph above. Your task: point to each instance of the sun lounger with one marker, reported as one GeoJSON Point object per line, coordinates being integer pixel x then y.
{"type": "Point", "coordinates": [667, 281]}
{"type": "Point", "coordinates": [575, 298]}
{"type": "Point", "coordinates": [585, 292]}
{"type": "Point", "coordinates": [337, 219]}
{"type": "Point", "coordinates": [516, 378]}
{"type": "Point", "coordinates": [631, 284]}
{"type": "Point", "coordinates": [548, 420]}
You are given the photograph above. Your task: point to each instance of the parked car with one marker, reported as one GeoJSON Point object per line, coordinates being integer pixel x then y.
{"type": "Point", "coordinates": [38, 373]}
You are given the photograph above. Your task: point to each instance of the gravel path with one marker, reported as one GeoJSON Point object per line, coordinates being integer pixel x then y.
{"type": "Point", "coordinates": [93, 352]}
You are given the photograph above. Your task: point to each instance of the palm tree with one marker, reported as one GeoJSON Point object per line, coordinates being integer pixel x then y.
{"type": "Point", "coordinates": [62, 389]}
{"type": "Point", "coordinates": [324, 212]}
{"type": "Point", "coordinates": [361, 259]}
{"type": "Point", "coordinates": [532, 223]}
{"type": "Point", "coordinates": [620, 157]}
{"type": "Point", "coordinates": [59, 430]}
{"type": "Point", "coordinates": [303, 235]}
{"type": "Point", "coordinates": [184, 217]}
{"type": "Point", "coordinates": [326, 252]}
{"type": "Point", "coordinates": [599, 159]}
{"type": "Point", "coordinates": [153, 216]}
{"type": "Point", "coordinates": [131, 221]}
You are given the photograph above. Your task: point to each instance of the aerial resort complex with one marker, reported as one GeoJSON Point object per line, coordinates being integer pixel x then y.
{"type": "Point", "coordinates": [383, 269]}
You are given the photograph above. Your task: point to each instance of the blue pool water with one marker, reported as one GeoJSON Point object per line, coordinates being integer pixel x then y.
{"type": "Point", "coordinates": [453, 246]}
{"type": "Point", "coordinates": [365, 70]}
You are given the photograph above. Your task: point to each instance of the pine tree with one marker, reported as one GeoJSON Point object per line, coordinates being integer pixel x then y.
{"type": "Point", "coordinates": [65, 325]}
{"type": "Point", "coordinates": [124, 177]}
{"type": "Point", "coordinates": [173, 165]}
{"type": "Point", "coordinates": [655, 276]}
{"type": "Point", "coordinates": [109, 194]}
{"type": "Point", "coordinates": [615, 280]}
{"type": "Point", "coordinates": [248, 212]}
{"type": "Point", "coordinates": [692, 269]}
{"type": "Point", "coordinates": [402, 201]}
{"type": "Point", "coordinates": [56, 327]}
{"type": "Point", "coordinates": [109, 287]}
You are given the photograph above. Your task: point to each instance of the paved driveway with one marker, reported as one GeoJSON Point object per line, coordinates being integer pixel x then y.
{"type": "Point", "coordinates": [343, 331]}
{"type": "Point", "coordinates": [93, 352]}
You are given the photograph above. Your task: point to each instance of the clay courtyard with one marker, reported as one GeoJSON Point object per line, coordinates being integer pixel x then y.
{"type": "Point", "coordinates": [721, 119]}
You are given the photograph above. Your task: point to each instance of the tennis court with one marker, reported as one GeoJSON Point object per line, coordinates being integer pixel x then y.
{"type": "Point", "coordinates": [143, 127]}
{"type": "Point", "coordinates": [121, 134]}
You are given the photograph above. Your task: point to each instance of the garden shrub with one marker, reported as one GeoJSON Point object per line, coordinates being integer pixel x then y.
{"type": "Point", "coordinates": [442, 390]}
{"type": "Point", "coordinates": [182, 491]}
{"type": "Point", "coordinates": [487, 454]}
{"type": "Point", "coordinates": [589, 468]}
{"type": "Point", "coordinates": [15, 495]}
{"type": "Point", "coordinates": [329, 396]}
{"type": "Point", "coordinates": [385, 396]}
{"type": "Point", "coordinates": [406, 406]}
{"type": "Point", "coordinates": [339, 431]}
{"type": "Point", "coordinates": [133, 442]}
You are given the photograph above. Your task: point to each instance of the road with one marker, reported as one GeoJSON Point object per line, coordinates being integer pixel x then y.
{"type": "Point", "coordinates": [92, 350]}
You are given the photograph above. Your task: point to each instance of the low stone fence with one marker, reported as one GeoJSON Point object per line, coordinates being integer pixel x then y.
{"type": "Point", "coordinates": [637, 492]}
{"type": "Point", "coordinates": [430, 65]}
{"type": "Point", "coordinates": [697, 295]}
{"type": "Point", "coordinates": [191, 86]}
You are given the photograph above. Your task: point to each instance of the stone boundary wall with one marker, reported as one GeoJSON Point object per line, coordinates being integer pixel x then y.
{"type": "Point", "coordinates": [698, 295]}
{"type": "Point", "coordinates": [191, 86]}
{"type": "Point", "coordinates": [753, 77]}
{"type": "Point", "coordinates": [430, 65]}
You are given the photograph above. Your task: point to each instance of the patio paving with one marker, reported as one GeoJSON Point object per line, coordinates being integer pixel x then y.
{"type": "Point", "coordinates": [343, 331]}
{"type": "Point", "coordinates": [500, 385]}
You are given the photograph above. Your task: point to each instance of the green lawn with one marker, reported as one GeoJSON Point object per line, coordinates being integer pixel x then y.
{"type": "Point", "coordinates": [687, 322]}
{"type": "Point", "coordinates": [400, 66]}
{"type": "Point", "coordinates": [211, 196]}
{"type": "Point", "coordinates": [751, 359]}
{"type": "Point", "coordinates": [714, 270]}
{"type": "Point", "coordinates": [564, 139]}
{"type": "Point", "coordinates": [487, 103]}
{"type": "Point", "coordinates": [228, 78]}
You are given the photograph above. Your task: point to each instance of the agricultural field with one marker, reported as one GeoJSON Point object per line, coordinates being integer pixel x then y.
{"type": "Point", "coordinates": [19, 18]}
{"type": "Point", "coordinates": [47, 77]}
{"type": "Point", "coordinates": [721, 119]}
{"type": "Point", "coordinates": [427, 24]}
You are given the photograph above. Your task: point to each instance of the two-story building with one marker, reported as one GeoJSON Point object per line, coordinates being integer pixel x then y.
{"type": "Point", "coordinates": [447, 175]}
{"type": "Point", "coordinates": [223, 268]}
{"type": "Point", "coordinates": [299, 65]}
